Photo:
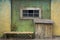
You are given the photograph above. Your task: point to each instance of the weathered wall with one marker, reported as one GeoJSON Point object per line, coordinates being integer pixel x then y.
{"type": "Point", "coordinates": [28, 25]}
{"type": "Point", "coordinates": [22, 25]}
{"type": "Point", "coordinates": [55, 16]}
{"type": "Point", "coordinates": [5, 13]}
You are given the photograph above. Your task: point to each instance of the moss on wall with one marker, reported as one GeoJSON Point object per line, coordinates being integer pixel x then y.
{"type": "Point", "coordinates": [27, 25]}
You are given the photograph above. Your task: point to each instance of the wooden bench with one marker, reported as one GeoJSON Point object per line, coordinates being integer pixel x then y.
{"type": "Point", "coordinates": [16, 34]}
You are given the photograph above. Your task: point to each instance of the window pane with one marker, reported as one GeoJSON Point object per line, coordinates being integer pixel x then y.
{"type": "Point", "coordinates": [24, 15]}
{"type": "Point", "coordinates": [30, 15]}
{"type": "Point", "coordinates": [30, 11]}
{"type": "Point", "coordinates": [25, 11]}
{"type": "Point", "coordinates": [36, 15]}
{"type": "Point", "coordinates": [36, 11]}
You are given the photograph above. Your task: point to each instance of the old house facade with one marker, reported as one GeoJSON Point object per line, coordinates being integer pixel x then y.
{"type": "Point", "coordinates": [36, 16]}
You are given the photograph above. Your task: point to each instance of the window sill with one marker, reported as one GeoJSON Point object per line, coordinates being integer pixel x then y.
{"type": "Point", "coordinates": [29, 18]}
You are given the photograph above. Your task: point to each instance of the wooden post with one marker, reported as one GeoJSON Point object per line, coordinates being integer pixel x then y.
{"type": "Point", "coordinates": [39, 31]}
{"type": "Point", "coordinates": [48, 31]}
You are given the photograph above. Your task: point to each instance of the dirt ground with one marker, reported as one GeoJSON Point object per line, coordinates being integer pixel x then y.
{"type": "Point", "coordinates": [32, 39]}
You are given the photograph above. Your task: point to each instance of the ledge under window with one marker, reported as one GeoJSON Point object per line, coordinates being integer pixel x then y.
{"type": "Point", "coordinates": [30, 18]}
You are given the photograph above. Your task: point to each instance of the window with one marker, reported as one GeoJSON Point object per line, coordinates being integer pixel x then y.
{"type": "Point", "coordinates": [31, 13]}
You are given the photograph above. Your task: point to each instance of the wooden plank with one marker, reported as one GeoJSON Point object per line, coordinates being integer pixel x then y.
{"type": "Point", "coordinates": [46, 21]}
{"type": "Point", "coordinates": [36, 36]}
{"type": "Point", "coordinates": [48, 31]}
{"type": "Point", "coordinates": [18, 32]}
{"type": "Point", "coordinates": [39, 33]}
{"type": "Point", "coordinates": [43, 31]}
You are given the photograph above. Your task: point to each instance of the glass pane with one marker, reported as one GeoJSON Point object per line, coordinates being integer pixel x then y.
{"type": "Point", "coordinates": [30, 15]}
{"type": "Point", "coordinates": [36, 15]}
{"type": "Point", "coordinates": [30, 11]}
{"type": "Point", "coordinates": [25, 11]}
{"type": "Point", "coordinates": [25, 15]}
{"type": "Point", "coordinates": [36, 11]}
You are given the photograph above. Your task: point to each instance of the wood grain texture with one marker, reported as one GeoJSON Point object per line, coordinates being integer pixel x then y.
{"type": "Point", "coordinates": [43, 31]}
